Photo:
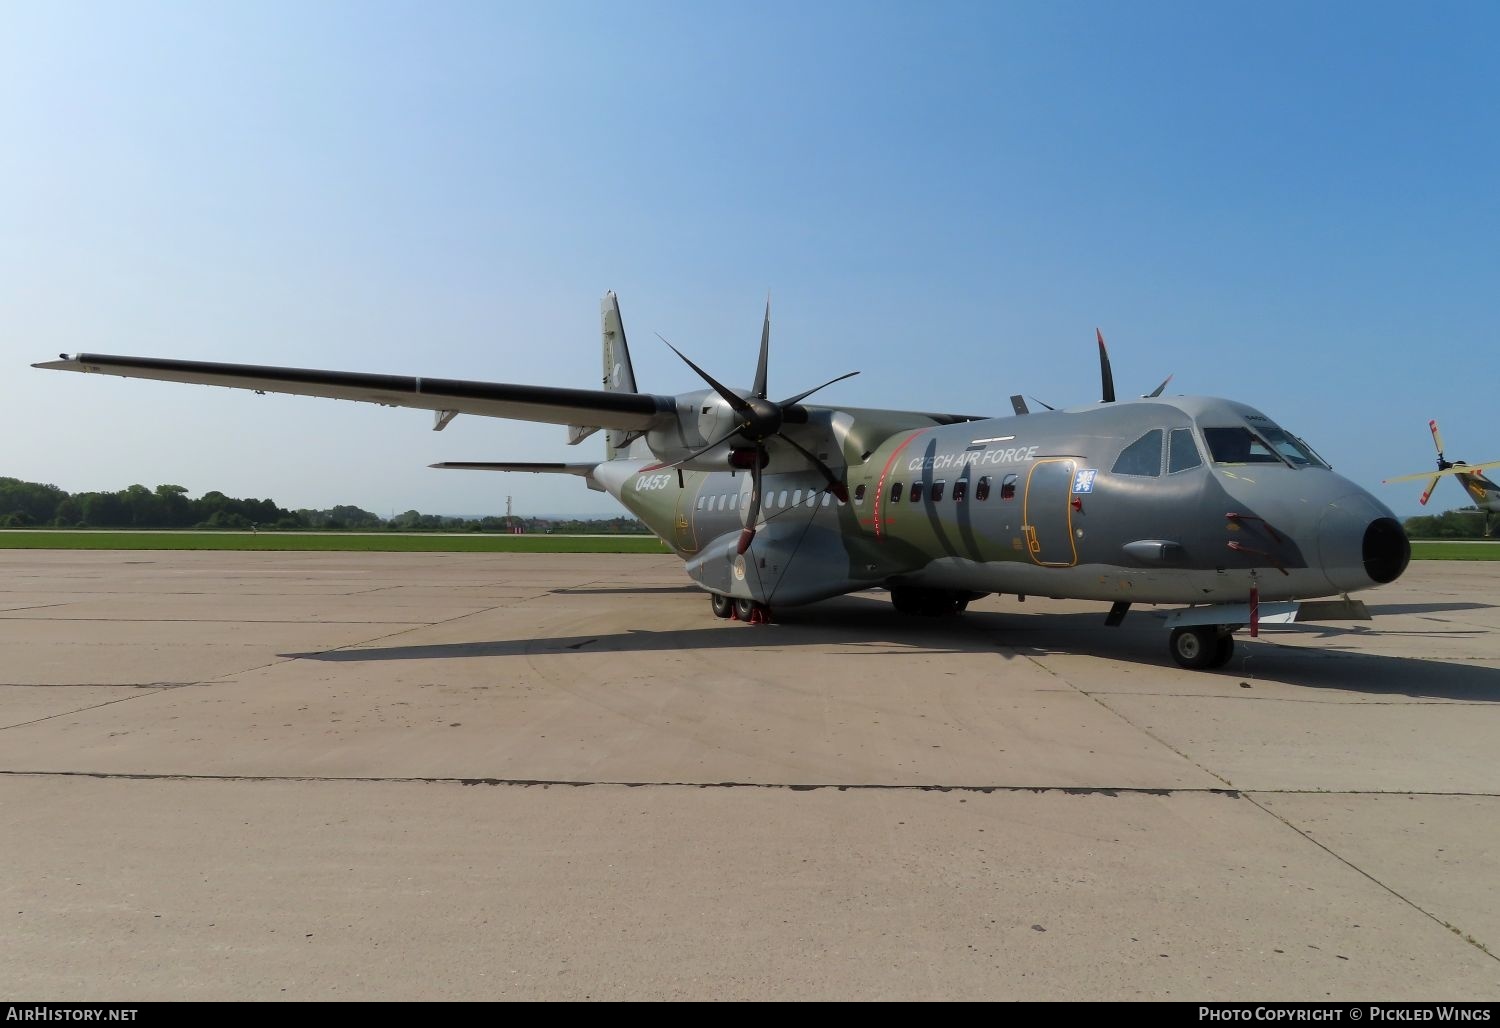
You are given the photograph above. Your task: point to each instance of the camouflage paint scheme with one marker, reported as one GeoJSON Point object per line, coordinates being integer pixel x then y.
{"type": "Point", "coordinates": [1043, 538]}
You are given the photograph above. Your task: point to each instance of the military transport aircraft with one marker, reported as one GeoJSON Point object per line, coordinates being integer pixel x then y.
{"type": "Point", "coordinates": [1189, 501]}
{"type": "Point", "coordinates": [1486, 494]}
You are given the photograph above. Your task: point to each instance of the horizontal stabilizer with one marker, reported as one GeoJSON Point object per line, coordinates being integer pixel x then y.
{"type": "Point", "coordinates": [535, 467]}
{"type": "Point", "coordinates": [583, 471]}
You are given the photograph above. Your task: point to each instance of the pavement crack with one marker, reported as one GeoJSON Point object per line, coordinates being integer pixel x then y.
{"type": "Point", "coordinates": [1145, 731]}
{"type": "Point", "coordinates": [1066, 790]}
{"type": "Point", "coordinates": [1361, 871]}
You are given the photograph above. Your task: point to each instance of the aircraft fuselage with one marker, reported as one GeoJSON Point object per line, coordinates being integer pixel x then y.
{"type": "Point", "coordinates": [1117, 502]}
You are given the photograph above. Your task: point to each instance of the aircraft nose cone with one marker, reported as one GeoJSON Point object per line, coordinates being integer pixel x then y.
{"type": "Point", "coordinates": [1360, 544]}
{"type": "Point", "coordinates": [1386, 549]}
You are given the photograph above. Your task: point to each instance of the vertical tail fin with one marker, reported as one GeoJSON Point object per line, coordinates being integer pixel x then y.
{"type": "Point", "coordinates": [619, 376]}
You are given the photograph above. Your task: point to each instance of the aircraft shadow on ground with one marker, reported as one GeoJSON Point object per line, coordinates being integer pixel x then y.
{"type": "Point", "coordinates": [617, 590]}
{"type": "Point", "coordinates": [865, 627]}
{"type": "Point", "coordinates": [1426, 608]}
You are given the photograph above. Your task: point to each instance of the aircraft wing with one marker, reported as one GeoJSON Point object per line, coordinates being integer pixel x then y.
{"type": "Point", "coordinates": [623, 411]}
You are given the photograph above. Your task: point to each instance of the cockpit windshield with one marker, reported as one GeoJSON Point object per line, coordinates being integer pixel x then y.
{"type": "Point", "coordinates": [1264, 444]}
{"type": "Point", "coordinates": [1296, 452]}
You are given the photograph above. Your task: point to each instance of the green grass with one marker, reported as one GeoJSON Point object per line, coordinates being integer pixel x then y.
{"type": "Point", "coordinates": [1426, 549]}
{"type": "Point", "coordinates": [475, 543]}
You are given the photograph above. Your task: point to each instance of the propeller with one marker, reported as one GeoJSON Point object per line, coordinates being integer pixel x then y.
{"type": "Point", "coordinates": [1444, 466]}
{"type": "Point", "coordinates": [758, 419]}
{"type": "Point", "coordinates": [1106, 376]}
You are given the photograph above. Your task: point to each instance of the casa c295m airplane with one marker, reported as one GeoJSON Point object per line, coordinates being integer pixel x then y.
{"type": "Point", "coordinates": [1202, 503]}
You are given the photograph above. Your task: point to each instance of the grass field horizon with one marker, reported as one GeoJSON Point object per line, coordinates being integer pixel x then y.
{"type": "Point", "coordinates": [374, 542]}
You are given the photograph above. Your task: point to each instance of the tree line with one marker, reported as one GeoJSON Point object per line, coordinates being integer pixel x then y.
{"type": "Point", "coordinates": [33, 505]}
{"type": "Point", "coordinates": [1453, 524]}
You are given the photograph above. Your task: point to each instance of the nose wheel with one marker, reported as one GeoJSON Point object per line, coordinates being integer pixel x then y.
{"type": "Point", "coordinates": [1202, 647]}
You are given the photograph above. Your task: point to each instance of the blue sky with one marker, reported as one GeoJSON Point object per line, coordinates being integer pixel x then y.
{"type": "Point", "coordinates": [1290, 204]}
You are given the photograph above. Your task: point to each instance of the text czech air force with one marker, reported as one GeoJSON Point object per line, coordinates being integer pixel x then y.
{"type": "Point", "coordinates": [944, 461]}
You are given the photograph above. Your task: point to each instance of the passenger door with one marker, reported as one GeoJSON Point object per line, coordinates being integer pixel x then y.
{"type": "Point", "coordinates": [1046, 515]}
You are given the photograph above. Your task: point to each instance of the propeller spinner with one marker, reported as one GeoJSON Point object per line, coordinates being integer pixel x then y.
{"type": "Point", "coordinates": [758, 419]}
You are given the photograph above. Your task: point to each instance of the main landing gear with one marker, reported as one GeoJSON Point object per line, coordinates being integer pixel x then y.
{"type": "Point", "coordinates": [748, 611]}
{"type": "Point", "coordinates": [1202, 647]}
{"type": "Point", "coordinates": [930, 603]}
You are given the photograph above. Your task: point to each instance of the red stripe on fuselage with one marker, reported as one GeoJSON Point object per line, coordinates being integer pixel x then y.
{"type": "Point", "coordinates": [880, 486]}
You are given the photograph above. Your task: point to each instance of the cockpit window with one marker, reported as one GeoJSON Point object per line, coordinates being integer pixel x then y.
{"type": "Point", "coordinates": [1267, 444]}
{"type": "Point", "coordinates": [1182, 452]}
{"type": "Point", "coordinates": [1238, 446]}
{"type": "Point", "coordinates": [1142, 457]}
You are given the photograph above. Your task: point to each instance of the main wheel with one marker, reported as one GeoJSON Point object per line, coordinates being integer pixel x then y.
{"type": "Point", "coordinates": [722, 605]}
{"type": "Point", "coordinates": [1195, 648]}
{"type": "Point", "coordinates": [906, 601]}
{"type": "Point", "coordinates": [1223, 650]}
{"type": "Point", "coordinates": [744, 610]}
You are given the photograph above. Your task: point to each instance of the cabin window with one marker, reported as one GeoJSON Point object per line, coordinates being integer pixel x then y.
{"type": "Point", "coordinates": [1238, 446]}
{"type": "Point", "coordinates": [797, 498]}
{"type": "Point", "coordinates": [937, 492]}
{"type": "Point", "coordinates": [1008, 487]}
{"type": "Point", "coordinates": [812, 498]}
{"type": "Point", "coordinates": [982, 490]}
{"type": "Point", "coordinates": [723, 501]}
{"type": "Point", "coordinates": [1142, 457]}
{"type": "Point", "coordinates": [700, 502]}
{"type": "Point", "coordinates": [960, 490]}
{"type": "Point", "coordinates": [828, 497]}
{"type": "Point", "coordinates": [781, 500]}
{"type": "Point", "coordinates": [859, 494]}
{"type": "Point", "coordinates": [915, 496]}
{"type": "Point", "coordinates": [1182, 452]}
{"type": "Point", "coordinates": [896, 492]}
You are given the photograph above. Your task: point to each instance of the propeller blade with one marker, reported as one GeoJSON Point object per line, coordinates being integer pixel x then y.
{"type": "Point", "coordinates": [1406, 478]}
{"type": "Point", "coordinates": [752, 515]}
{"type": "Point", "coordinates": [835, 485]}
{"type": "Point", "coordinates": [1158, 389]}
{"type": "Point", "coordinates": [735, 401]}
{"type": "Point", "coordinates": [802, 396]}
{"type": "Point", "coordinates": [1427, 493]}
{"type": "Point", "coordinates": [1452, 469]}
{"type": "Point", "coordinates": [1107, 377]}
{"type": "Point", "coordinates": [765, 350]}
{"type": "Point", "coordinates": [1437, 437]}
